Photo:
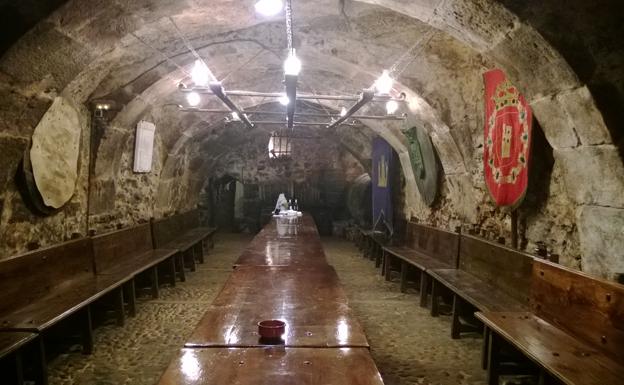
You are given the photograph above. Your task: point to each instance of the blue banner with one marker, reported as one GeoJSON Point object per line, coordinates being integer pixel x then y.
{"type": "Point", "coordinates": [382, 188]}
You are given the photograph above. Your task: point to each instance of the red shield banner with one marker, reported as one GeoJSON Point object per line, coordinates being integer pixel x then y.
{"type": "Point", "coordinates": [507, 140]}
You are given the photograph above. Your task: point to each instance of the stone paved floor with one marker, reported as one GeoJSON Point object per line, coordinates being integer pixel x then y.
{"type": "Point", "coordinates": [408, 345]}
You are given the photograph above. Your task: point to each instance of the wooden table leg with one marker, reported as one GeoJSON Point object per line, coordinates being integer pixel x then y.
{"type": "Point", "coordinates": [378, 252]}
{"type": "Point", "coordinates": [130, 296]}
{"type": "Point", "coordinates": [190, 258]}
{"type": "Point", "coordinates": [200, 251]}
{"type": "Point", "coordinates": [404, 271]}
{"type": "Point", "coordinates": [154, 279]}
{"type": "Point", "coordinates": [424, 288]}
{"type": "Point", "coordinates": [435, 298]}
{"type": "Point", "coordinates": [87, 331]}
{"type": "Point", "coordinates": [120, 306]}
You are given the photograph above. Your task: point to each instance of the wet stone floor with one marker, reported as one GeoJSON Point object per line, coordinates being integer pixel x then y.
{"type": "Point", "coordinates": [408, 345]}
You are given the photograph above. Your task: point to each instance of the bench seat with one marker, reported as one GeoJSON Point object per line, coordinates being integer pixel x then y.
{"type": "Point", "coordinates": [415, 258]}
{"type": "Point", "coordinates": [58, 304]}
{"type": "Point", "coordinates": [11, 341]}
{"type": "Point", "coordinates": [137, 263]}
{"type": "Point", "coordinates": [567, 358]}
{"type": "Point", "coordinates": [478, 293]}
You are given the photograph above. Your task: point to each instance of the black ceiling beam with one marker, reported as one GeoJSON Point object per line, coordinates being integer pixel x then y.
{"type": "Point", "coordinates": [366, 96]}
{"type": "Point", "coordinates": [291, 93]}
{"type": "Point", "coordinates": [217, 89]}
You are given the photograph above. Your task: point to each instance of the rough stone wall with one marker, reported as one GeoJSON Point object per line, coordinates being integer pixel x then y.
{"type": "Point", "coordinates": [23, 105]}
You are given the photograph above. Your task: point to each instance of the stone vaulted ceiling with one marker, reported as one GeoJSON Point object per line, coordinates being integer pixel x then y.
{"type": "Point", "coordinates": [129, 53]}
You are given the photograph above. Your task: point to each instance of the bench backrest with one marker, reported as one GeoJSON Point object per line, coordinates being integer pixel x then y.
{"type": "Point", "coordinates": [167, 229]}
{"type": "Point", "coordinates": [27, 277]}
{"type": "Point", "coordinates": [440, 244]}
{"type": "Point", "coordinates": [112, 248]}
{"type": "Point", "coordinates": [589, 308]}
{"type": "Point", "coordinates": [507, 269]}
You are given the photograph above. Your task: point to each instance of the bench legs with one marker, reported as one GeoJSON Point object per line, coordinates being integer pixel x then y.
{"type": "Point", "coordinates": [424, 288]}
{"type": "Point", "coordinates": [172, 270]}
{"type": "Point", "coordinates": [120, 306]}
{"type": "Point", "coordinates": [179, 257]}
{"type": "Point", "coordinates": [435, 298]}
{"type": "Point", "coordinates": [456, 323]}
{"type": "Point", "coordinates": [387, 268]}
{"type": "Point", "coordinates": [199, 250]}
{"type": "Point", "coordinates": [87, 331]}
{"type": "Point", "coordinates": [484, 350]}
{"type": "Point", "coordinates": [404, 271]}
{"type": "Point", "coordinates": [130, 297]}
{"type": "Point", "coordinates": [42, 369]}
{"type": "Point", "coordinates": [154, 279]}
{"type": "Point", "coordinates": [493, 359]}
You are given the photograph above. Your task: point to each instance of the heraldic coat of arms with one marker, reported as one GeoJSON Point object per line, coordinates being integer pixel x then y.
{"type": "Point", "coordinates": [507, 140]}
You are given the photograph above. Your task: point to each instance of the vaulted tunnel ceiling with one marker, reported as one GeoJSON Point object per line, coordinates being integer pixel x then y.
{"type": "Point", "coordinates": [130, 53]}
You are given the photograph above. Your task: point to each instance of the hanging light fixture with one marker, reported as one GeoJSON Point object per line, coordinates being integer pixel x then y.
{"type": "Point", "coordinates": [193, 99]}
{"type": "Point", "coordinates": [269, 7]}
{"type": "Point", "coordinates": [391, 107]}
{"type": "Point", "coordinates": [384, 83]}
{"type": "Point", "coordinates": [200, 73]}
{"type": "Point", "coordinates": [292, 64]}
{"type": "Point", "coordinates": [343, 111]}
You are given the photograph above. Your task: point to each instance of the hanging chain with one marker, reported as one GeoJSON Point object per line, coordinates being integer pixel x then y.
{"type": "Point", "coordinates": [289, 33]}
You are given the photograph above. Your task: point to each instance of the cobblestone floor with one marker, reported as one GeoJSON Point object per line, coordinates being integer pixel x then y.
{"type": "Point", "coordinates": [408, 345]}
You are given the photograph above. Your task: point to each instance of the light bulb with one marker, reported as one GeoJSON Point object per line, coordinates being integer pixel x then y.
{"type": "Point", "coordinates": [235, 116]}
{"type": "Point", "coordinates": [391, 107]}
{"type": "Point", "coordinates": [284, 101]}
{"type": "Point", "coordinates": [292, 64]}
{"type": "Point", "coordinates": [384, 83]}
{"type": "Point", "coordinates": [199, 73]}
{"type": "Point", "coordinates": [193, 99]}
{"type": "Point", "coordinates": [269, 7]}
{"type": "Point", "coordinates": [343, 111]}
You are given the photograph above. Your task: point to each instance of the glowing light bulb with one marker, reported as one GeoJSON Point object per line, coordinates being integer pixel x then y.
{"type": "Point", "coordinates": [200, 73]}
{"type": "Point", "coordinates": [269, 7]}
{"type": "Point", "coordinates": [193, 99]}
{"type": "Point", "coordinates": [292, 65]}
{"type": "Point", "coordinates": [343, 111]}
{"type": "Point", "coordinates": [384, 83]}
{"type": "Point", "coordinates": [284, 101]}
{"type": "Point", "coordinates": [235, 116]}
{"type": "Point", "coordinates": [391, 107]}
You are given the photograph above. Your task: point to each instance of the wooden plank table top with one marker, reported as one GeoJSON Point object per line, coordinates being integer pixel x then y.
{"type": "Point", "coordinates": [285, 242]}
{"type": "Point", "coordinates": [11, 341]}
{"type": "Point", "coordinates": [274, 365]}
{"type": "Point", "coordinates": [310, 300]}
{"type": "Point", "coordinates": [567, 358]}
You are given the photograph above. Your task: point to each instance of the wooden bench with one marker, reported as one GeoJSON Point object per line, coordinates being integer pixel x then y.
{"type": "Point", "coordinates": [574, 331]}
{"type": "Point", "coordinates": [123, 254]}
{"type": "Point", "coordinates": [12, 347]}
{"type": "Point", "coordinates": [489, 277]}
{"type": "Point", "coordinates": [272, 365]}
{"type": "Point", "coordinates": [309, 299]}
{"type": "Point", "coordinates": [424, 248]}
{"type": "Point", "coordinates": [43, 287]}
{"type": "Point", "coordinates": [182, 232]}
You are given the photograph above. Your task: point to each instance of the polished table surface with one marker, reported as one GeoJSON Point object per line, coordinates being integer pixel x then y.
{"type": "Point", "coordinates": [310, 300]}
{"type": "Point", "coordinates": [285, 242]}
{"type": "Point", "coordinates": [272, 366]}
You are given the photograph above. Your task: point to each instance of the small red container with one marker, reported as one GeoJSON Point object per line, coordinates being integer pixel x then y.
{"type": "Point", "coordinates": [271, 329]}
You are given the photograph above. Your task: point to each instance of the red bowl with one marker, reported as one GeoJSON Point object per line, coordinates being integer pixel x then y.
{"type": "Point", "coordinates": [271, 329]}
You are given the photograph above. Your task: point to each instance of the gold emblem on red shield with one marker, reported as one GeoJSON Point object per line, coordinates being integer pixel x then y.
{"type": "Point", "coordinates": [504, 168]}
{"type": "Point", "coordinates": [507, 140]}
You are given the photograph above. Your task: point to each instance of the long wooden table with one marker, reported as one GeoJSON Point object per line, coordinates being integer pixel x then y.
{"type": "Point", "coordinates": [272, 365]}
{"type": "Point", "coordinates": [282, 274]}
{"type": "Point", "coordinates": [310, 301]}
{"type": "Point", "coordinates": [285, 242]}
